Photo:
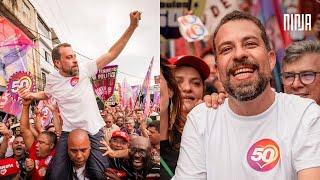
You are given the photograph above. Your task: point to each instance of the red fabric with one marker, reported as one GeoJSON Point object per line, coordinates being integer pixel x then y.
{"type": "Point", "coordinates": [120, 134]}
{"type": "Point", "coordinates": [193, 61]}
{"type": "Point", "coordinates": [284, 34]}
{"type": "Point", "coordinates": [8, 166]}
{"type": "Point", "coordinates": [40, 164]}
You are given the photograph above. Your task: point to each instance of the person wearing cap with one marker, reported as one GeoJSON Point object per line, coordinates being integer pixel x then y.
{"type": "Point", "coordinates": [119, 142]}
{"type": "Point", "coordinates": [190, 72]}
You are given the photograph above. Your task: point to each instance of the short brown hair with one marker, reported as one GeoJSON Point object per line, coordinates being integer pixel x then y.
{"type": "Point", "coordinates": [55, 51]}
{"type": "Point", "coordinates": [238, 15]}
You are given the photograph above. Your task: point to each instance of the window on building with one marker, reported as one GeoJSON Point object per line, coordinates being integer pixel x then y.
{"type": "Point", "coordinates": [46, 56]}
{"type": "Point", "coordinates": [43, 77]}
{"type": "Point", "coordinates": [44, 30]}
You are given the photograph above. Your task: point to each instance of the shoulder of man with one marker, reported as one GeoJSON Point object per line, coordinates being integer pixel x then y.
{"type": "Point", "coordinates": [201, 111]}
{"type": "Point", "coordinates": [306, 110]}
{"type": "Point", "coordinates": [294, 103]}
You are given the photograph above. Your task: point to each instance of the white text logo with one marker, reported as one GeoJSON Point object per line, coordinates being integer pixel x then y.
{"type": "Point", "coordinates": [297, 22]}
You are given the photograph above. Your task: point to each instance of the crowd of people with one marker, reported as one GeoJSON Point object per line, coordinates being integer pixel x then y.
{"type": "Point", "coordinates": [131, 143]}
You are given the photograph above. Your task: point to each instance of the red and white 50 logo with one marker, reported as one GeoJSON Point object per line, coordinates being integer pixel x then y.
{"type": "Point", "coordinates": [263, 155]}
{"type": "Point", "coordinates": [18, 80]}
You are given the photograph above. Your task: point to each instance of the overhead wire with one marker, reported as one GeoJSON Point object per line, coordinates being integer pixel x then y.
{"type": "Point", "coordinates": [84, 56]}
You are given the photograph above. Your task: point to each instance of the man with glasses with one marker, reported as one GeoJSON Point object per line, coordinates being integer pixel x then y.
{"type": "Point", "coordinates": [110, 127]}
{"type": "Point", "coordinates": [119, 142]}
{"type": "Point", "coordinates": [301, 70]}
{"type": "Point", "coordinates": [41, 150]}
{"type": "Point", "coordinates": [140, 161]}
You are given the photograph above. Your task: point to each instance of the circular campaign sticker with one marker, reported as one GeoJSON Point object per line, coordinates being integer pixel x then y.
{"type": "Point", "coordinates": [263, 155]}
{"type": "Point", "coordinates": [18, 80]}
{"type": "Point", "coordinates": [74, 81]}
{"type": "Point", "coordinates": [195, 30]}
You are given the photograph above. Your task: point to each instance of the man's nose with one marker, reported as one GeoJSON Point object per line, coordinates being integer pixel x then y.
{"type": "Point", "coordinates": [79, 155]}
{"type": "Point", "coordinates": [296, 84]}
{"type": "Point", "coordinates": [240, 53]}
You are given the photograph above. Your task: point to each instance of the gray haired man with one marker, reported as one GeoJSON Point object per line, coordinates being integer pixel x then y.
{"type": "Point", "coordinates": [301, 70]}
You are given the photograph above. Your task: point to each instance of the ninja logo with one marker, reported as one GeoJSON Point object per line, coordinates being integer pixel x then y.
{"type": "Point", "coordinates": [297, 22]}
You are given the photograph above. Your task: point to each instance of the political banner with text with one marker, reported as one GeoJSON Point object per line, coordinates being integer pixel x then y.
{"type": "Point", "coordinates": [104, 81]}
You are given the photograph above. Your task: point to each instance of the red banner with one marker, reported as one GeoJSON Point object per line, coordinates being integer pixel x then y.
{"type": "Point", "coordinates": [103, 83]}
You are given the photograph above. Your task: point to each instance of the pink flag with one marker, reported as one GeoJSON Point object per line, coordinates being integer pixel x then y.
{"type": "Point", "coordinates": [146, 89]}
{"type": "Point", "coordinates": [126, 94]}
{"type": "Point", "coordinates": [14, 45]}
{"type": "Point", "coordinates": [45, 112]}
{"type": "Point", "coordinates": [9, 105]}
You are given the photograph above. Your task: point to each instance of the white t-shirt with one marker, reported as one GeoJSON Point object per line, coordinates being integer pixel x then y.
{"type": "Point", "coordinates": [276, 144]}
{"type": "Point", "coordinates": [80, 173]}
{"type": "Point", "coordinates": [76, 99]}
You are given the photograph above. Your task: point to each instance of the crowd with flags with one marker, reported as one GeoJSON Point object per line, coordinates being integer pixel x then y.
{"type": "Point", "coordinates": [130, 113]}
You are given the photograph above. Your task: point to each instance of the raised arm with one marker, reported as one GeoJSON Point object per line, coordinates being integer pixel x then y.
{"type": "Point", "coordinates": [116, 49]}
{"type": "Point", "coordinates": [6, 136]}
{"type": "Point", "coordinates": [24, 122]}
{"type": "Point", "coordinates": [38, 124]}
{"type": "Point", "coordinates": [56, 119]}
{"type": "Point", "coordinates": [142, 120]}
{"type": "Point", "coordinates": [25, 93]}
{"type": "Point", "coordinates": [124, 153]}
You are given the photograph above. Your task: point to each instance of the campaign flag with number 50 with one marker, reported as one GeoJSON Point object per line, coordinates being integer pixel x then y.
{"type": "Point", "coordinates": [17, 80]}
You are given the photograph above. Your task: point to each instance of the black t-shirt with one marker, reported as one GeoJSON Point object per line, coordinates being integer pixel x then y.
{"type": "Point", "coordinates": [22, 167]}
{"type": "Point", "coordinates": [170, 156]}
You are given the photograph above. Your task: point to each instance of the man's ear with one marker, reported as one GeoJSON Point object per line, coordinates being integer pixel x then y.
{"type": "Point", "coordinates": [57, 64]}
{"type": "Point", "coordinates": [272, 59]}
{"type": "Point", "coordinates": [51, 146]}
